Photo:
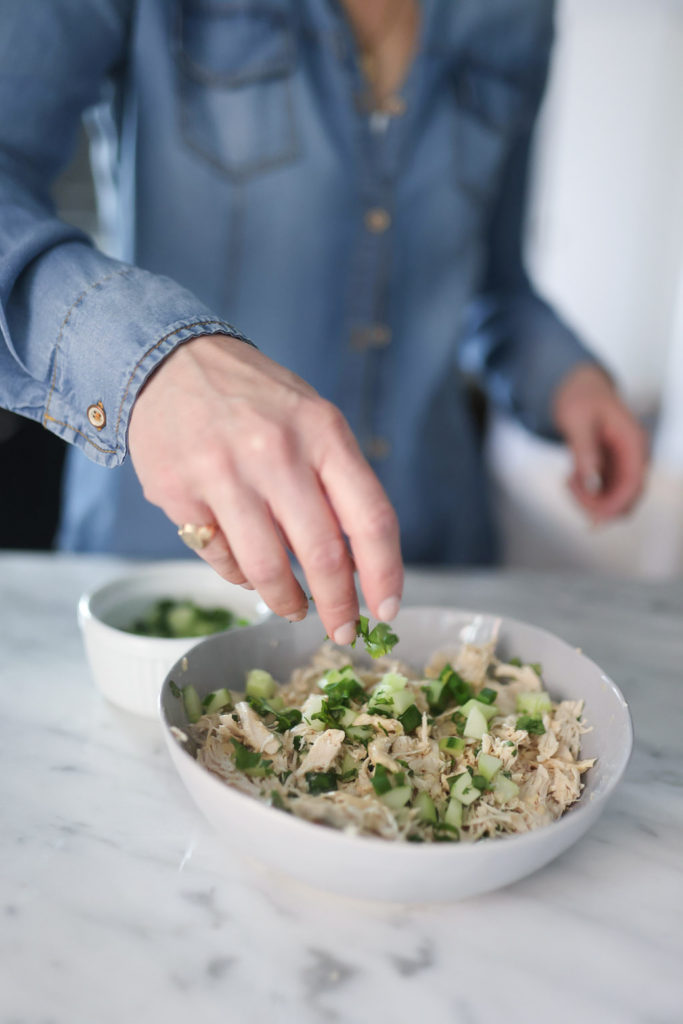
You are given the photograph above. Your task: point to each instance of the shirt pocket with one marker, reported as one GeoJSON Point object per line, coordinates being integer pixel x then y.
{"type": "Point", "coordinates": [490, 113]}
{"type": "Point", "coordinates": [235, 66]}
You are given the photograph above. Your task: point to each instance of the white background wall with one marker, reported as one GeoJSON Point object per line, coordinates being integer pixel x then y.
{"type": "Point", "coordinates": [606, 247]}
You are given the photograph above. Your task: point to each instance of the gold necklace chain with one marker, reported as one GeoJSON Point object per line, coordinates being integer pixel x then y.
{"type": "Point", "coordinates": [375, 98]}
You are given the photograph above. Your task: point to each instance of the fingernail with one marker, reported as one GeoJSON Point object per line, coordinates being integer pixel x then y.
{"type": "Point", "coordinates": [388, 609]}
{"type": "Point", "coordinates": [345, 634]}
{"type": "Point", "coordinates": [246, 586]}
{"type": "Point", "coordinates": [592, 482]}
{"type": "Point", "coordinates": [297, 616]}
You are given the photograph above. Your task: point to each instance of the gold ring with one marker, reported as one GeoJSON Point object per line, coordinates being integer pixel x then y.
{"type": "Point", "coordinates": [197, 537]}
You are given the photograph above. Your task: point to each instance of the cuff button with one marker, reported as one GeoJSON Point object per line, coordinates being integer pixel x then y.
{"type": "Point", "coordinates": [97, 415]}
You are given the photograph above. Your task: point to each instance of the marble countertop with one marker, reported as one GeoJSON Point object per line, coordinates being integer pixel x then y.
{"type": "Point", "coordinates": [117, 903]}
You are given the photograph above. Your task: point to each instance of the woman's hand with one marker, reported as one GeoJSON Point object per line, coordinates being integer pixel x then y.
{"type": "Point", "coordinates": [608, 444]}
{"type": "Point", "coordinates": [222, 434]}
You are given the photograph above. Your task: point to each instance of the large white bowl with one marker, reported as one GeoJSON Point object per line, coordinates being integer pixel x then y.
{"type": "Point", "coordinates": [130, 669]}
{"type": "Point", "coordinates": [375, 868]}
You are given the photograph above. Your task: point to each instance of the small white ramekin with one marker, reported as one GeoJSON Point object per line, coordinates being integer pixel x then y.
{"type": "Point", "coordinates": [129, 669]}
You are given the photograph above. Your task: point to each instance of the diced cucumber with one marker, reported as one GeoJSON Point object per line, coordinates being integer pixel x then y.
{"type": "Point", "coordinates": [534, 704]}
{"type": "Point", "coordinates": [401, 701]}
{"type": "Point", "coordinates": [487, 710]}
{"type": "Point", "coordinates": [453, 815]}
{"type": "Point", "coordinates": [192, 703]}
{"type": "Point", "coordinates": [260, 684]}
{"type": "Point", "coordinates": [396, 798]}
{"type": "Point", "coordinates": [488, 765]}
{"type": "Point", "coordinates": [359, 733]}
{"type": "Point", "coordinates": [312, 706]}
{"type": "Point", "coordinates": [181, 619]}
{"type": "Point", "coordinates": [387, 701]}
{"type": "Point", "coordinates": [277, 703]}
{"type": "Point", "coordinates": [347, 718]}
{"type": "Point", "coordinates": [393, 681]}
{"type": "Point", "coordinates": [463, 790]}
{"type": "Point", "coordinates": [424, 805]}
{"type": "Point", "coordinates": [216, 701]}
{"type": "Point", "coordinates": [453, 745]}
{"type": "Point", "coordinates": [437, 695]}
{"type": "Point", "coordinates": [476, 724]}
{"type": "Point", "coordinates": [349, 766]}
{"type": "Point", "coordinates": [504, 789]}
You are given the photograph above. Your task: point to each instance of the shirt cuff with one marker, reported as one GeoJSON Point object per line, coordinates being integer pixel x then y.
{"type": "Point", "coordinates": [106, 351]}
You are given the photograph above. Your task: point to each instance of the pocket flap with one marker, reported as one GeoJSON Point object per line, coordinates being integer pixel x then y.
{"type": "Point", "coordinates": [233, 44]}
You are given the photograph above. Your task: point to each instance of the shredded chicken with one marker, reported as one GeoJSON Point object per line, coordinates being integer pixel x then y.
{"type": "Point", "coordinates": [377, 772]}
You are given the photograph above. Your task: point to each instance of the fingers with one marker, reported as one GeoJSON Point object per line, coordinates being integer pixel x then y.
{"type": "Point", "coordinates": [617, 445]}
{"type": "Point", "coordinates": [245, 518]}
{"type": "Point", "coordinates": [625, 458]}
{"type": "Point", "coordinates": [217, 553]}
{"type": "Point", "coordinates": [368, 519]}
{"type": "Point", "coordinates": [587, 478]}
{"type": "Point", "coordinates": [307, 519]}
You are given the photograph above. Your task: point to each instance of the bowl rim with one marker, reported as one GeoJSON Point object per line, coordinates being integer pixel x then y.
{"type": "Point", "coordinates": [86, 614]}
{"type": "Point", "coordinates": [582, 812]}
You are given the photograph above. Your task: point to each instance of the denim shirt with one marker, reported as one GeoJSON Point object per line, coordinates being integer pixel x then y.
{"type": "Point", "coordinates": [244, 181]}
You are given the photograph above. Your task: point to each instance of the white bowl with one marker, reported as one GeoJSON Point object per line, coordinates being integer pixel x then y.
{"type": "Point", "coordinates": [130, 669]}
{"type": "Point", "coordinates": [374, 868]}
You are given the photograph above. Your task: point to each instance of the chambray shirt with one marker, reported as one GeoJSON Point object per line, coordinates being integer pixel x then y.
{"type": "Point", "coordinates": [243, 182]}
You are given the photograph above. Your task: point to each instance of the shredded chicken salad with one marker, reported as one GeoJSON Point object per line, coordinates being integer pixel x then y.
{"type": "Point", "coordinates": [473, 747]}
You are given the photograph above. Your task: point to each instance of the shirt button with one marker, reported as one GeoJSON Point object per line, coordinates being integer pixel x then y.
{"type": "Point", "coordinates": [97, 415]}
{"type": "Point", "coordinates": [377, 220]}
{"type": "Point", "coordinates": [377, 448]}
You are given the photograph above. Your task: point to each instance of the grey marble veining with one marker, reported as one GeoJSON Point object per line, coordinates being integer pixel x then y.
{"type": "Point", "coordinates": [118, 903]}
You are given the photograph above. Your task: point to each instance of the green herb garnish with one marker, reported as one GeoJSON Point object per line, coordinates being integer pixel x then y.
{"type": "Point", "coordinates": [283, 719]}
{"type": "Point", "coordinates": [379, 640]}
{"type": "Point", "coordinates": [487, 695]}
{"type": "Point", "coordinates": [531, 724]}
{"type": "Point", "coordinates": [381, 783]}
{"type": "Point", "coordinates": [321, 782]}
{"type": "Point", "coordinates": [249, 761]}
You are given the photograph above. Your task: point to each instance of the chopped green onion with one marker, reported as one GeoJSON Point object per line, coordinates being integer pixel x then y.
{"type": "Point", "coordinates": [487, 695]}
{"type": "Point", "coordinates": [381, 783]}
{"type": "Point", "coordinates": [277, 801]}
{"type": "Point", "coordinates": [459, 689]}
{"type": "Point", "coordinates": [410, 719]}
{"type": "Point", "coordinates": [321, 782]}
{"type": "Point", "coordinates": [532, 724]}
{"type": "Point", "coordinates": [479, 782]}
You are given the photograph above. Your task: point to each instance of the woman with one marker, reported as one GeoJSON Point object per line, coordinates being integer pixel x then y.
{"type": "Point", "coordinates": [345, 182]}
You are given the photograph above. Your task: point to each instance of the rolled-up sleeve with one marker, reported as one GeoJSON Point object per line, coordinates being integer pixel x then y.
{"type": "Point", "coordinates": [515, 345]}
{"type": "Point", "coordinates": [79, 332]}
